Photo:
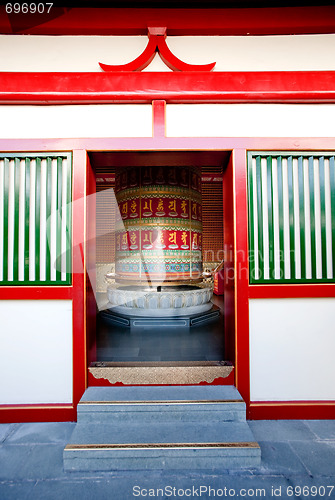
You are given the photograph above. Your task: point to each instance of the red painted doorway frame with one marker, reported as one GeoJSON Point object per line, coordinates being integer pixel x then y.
{"type": "Point", "coordinates": [212, 156]}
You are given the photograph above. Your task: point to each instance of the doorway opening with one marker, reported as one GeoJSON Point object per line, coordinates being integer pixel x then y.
{"type": "Point", "coordinates": [119, 343]}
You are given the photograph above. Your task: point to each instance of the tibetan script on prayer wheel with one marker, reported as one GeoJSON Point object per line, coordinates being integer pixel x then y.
{"type": "Point", "coordinates": [158, 229]}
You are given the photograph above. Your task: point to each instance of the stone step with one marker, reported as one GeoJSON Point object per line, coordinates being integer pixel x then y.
{"type": "Point", "coordinates": [166, 445]}
{"type": "Point", "coordinates": [196, 427]}
{"type": "Point", "coordinates": [161, 404]}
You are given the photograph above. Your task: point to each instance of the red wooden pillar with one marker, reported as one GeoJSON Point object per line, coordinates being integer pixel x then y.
{"type": "Point", "coordinates": [241, 274]}
{"type": "Point", "coordinates": [79, 274]}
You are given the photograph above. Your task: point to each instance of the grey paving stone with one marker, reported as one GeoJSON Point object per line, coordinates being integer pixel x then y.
{"type": "Point", "coordinates": [44, 461]}
{"type": "Point", "coordinates": [281, 430]}
{"type": "Point", "coordinates": [16, 490]}
{"type": "Point", "coordinates": [279, 458]}
{"type": "Point", "coordinates": [33, 462]}
{"type": "Point", "coordinates": [11, 459]}
{"type": "Point", "coordinates": [318, 457]}
{"type": "Point", "coordinates": [323, 429]}
{"type": "Point", "coordinates": [5, 430]}
{"type": "Point", "coordinates": [31, 472]}
{"type": "Point", "coordinates": [101, 489]}
{"type": "Point", "coordinates": [44, 432]}
{"type": "Point", "coordinates": [164, 486]}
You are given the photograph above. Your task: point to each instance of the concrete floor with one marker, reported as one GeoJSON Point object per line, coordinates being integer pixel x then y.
{"type": "Point", "coordinates": [198, 343]}
{"type": "Point", "coordinates": [295, 454]}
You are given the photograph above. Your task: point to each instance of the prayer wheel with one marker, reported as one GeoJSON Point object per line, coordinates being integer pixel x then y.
{"type": "Point", "coordinates": [158, 227]}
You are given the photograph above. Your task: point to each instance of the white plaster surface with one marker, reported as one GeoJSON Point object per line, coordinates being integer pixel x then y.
{"type": "Point", "coordinates": [250, 120]}
{"type": "Point", "coordinates": [36, 351]}
{"type": "Point", "coordinates": [292, 346]}
{"type": "Point", "coordinates": [182, 120]}
{"type": "Point", "coordinates": [75, 121]}
{"type": "Point", "coordinates": [231, 53]}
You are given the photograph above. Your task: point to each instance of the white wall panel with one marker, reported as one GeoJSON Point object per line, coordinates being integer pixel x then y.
{"type": "Point", "coordinates": [95, 120]}
{"type": "Point", "coordinates": [231, 53]}
{"type": "Point", "coordinates": [250, 120]}
{"type": "Point", "coordinates": [292, 346]}
{"type": "Point", "coordinates": [36, 351]}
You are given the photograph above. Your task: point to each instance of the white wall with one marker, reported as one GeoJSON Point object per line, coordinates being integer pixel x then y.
{"type": "Point", "coordinates": [231, 53]}
{"type": "Point", "coordinates": [250, 120]}
{"type": "Point", "coordinates": [182, 120]}
{"type": "Point", "coordinates": [36, 351]}
{"type": "Point", "coordinates": [95, 120]}
{"type": "Point", "coordinates": [292, 346]}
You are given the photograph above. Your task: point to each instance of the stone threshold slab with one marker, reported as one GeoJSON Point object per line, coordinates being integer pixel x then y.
{"type": "Point", "coordinates": [161, 373]}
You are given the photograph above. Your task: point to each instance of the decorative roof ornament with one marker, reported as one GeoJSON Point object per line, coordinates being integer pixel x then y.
{"type": "Point", "coordinates": [157, 43]}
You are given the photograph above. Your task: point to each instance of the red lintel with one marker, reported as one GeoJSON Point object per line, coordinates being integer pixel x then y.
{"type": "Point", "coordinates": [173, 87]}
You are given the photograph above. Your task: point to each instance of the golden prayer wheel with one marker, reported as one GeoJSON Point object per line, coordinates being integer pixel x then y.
{"type": "Point", "coordinates": [158, 228]}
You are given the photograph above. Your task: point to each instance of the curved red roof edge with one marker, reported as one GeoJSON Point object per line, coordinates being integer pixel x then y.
{"type": "Point", "coordinates": [157, 43]}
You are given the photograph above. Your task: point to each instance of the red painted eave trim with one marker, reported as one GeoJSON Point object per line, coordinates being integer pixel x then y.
{"type": "Point", "coordinates": [109, 21]}
{"type": "Point", "coordinates": [173, 87]}
{"type": "Point", "coordinates": [157, 44]}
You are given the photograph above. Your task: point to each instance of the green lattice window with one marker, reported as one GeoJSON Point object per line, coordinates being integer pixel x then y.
{"type": "Point", "coordinates": [291, 217]}
{"type": "Point", "coordinates": [35, 219]}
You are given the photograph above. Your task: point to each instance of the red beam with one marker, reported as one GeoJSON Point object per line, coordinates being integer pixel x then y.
{"type": "Point", "coordinates": [262, 86]}
{"type": "Point", "coordinates": [110, 21]}
{"type": "Point", "coordinates": [37, 413]}
{"type": "Point", "coordinates": [292, 410]}
{"type": "Point", "coordinates": [17, 292]}
{"type": "Point", "coordinates": [153, 144]}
